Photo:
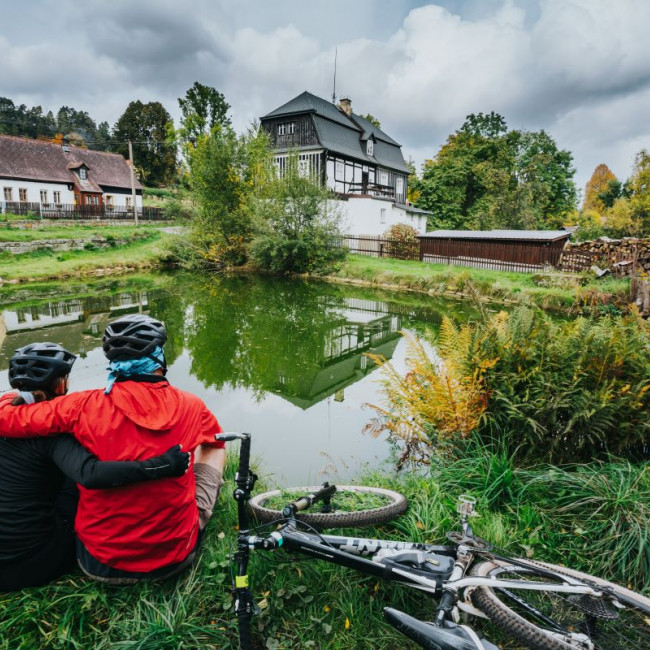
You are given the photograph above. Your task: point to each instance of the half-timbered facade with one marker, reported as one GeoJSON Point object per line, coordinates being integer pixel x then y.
{"type": "Point", "coordinates": [51, 175]}
{"type": "Point", "coordinates": [350, 155]}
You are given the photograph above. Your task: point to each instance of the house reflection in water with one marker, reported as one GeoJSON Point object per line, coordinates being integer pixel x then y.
{"type": "Point", "coordinates": [363, 326]}
{"type": "Point", "coordinates": [69, 322]}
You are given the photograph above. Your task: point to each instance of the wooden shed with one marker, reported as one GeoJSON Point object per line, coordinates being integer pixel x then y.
{"type": "Point", "coordinates": [516, 250]}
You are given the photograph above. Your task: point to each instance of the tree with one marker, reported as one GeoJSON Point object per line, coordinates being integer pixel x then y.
{"type": "Point", "coordinates": [203, 107]}
{"type": "Point", "coordinates": [146, 126]}
{"type": "Point", "coordinates": [485, 177]}
{"type": "Point", "coordinates": [299, 228]}
{"type": "Point", "coordinates": [640, 186]}
{"type": "Point", "coordinates": [372, 119]}
{"type": "Point", "coordinates": [599, 184]}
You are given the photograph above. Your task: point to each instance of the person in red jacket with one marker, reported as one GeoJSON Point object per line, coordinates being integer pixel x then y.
{"type": "Point", "coordinates": [147, 530]}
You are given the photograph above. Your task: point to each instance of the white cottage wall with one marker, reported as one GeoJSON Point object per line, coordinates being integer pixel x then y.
{"type": "Point", "coordinates": [34, 189]}
{"type": "Point", "coordinates": [370, 216]}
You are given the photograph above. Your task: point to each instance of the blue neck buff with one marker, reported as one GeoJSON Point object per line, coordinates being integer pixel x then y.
{"type": "Point", "coordinates": [140, 366]}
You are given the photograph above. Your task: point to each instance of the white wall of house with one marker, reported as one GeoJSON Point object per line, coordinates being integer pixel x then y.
{"type": "Point", "coordinates": [369, 216]}
{"type": "Point", "coordinates": [121, 200]}
{"type": "Point", "coordinates": [34, 189]}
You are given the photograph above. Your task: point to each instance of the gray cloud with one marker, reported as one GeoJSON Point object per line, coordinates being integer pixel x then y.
{"type": "Point", "coordinates": [577, 68]}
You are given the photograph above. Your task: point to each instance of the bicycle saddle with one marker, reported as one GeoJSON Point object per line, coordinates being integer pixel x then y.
{"type": "Point", "coordinates": [431, 637]}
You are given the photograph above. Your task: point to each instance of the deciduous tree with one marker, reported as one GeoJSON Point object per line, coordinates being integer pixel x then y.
{"type": "Point", "coordinates": [598, 185]}
{"type": "Point", "coordinates": [203, 107]}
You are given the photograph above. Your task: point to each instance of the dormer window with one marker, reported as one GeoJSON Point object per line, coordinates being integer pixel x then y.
{"type": "Point", "coordinates": [282, 129]}
{"type": "Point", "coordinates": [370, 149]}
{"type": "Point", "coordinates": [83, 173]}
{"type": "Point", "coordinates": [287, 128]}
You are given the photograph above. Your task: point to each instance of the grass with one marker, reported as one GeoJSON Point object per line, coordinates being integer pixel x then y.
{"type": "Point", "coordinates": [13, 234]}
{"type": "Point", "coordinates": [48, 265]}
{"type": "Point", "coordinates": [587, 517]}
{"type": "Point", "coordinates": [552, 291]}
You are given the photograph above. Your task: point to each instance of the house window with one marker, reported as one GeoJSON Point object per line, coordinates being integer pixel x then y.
{"type": "Point", "coordinates": [370, 147]}
{"type": "Point", "coordinates": [82, 173]}
{"type": "Point", "coordinates": [399, 187]}
{"type": "Point", "coordinates": [340, 171]}
{"type": "Point", "coordinates": [303, 167]}
{"type": "Point", "coordinates": [282, 129]}
{"type": "Point", "coordinates": [43, 196]}
{"type": "Point", "coordinates": [9, 193]}
{"type": "Point", "coordinates": [382, 215]}
{"type": "Point", "coordinates": [108, 200]}
{"type": "Point", "coordinates": [291, 128]}
{"type": "Point", "coordinates": [57, 197]}
{"type": "Point", "coordinates": [129, 201]}
{"type": "Point", "coordinates": [22, 194]}
{"type": "Point", "coordinates": [383, 178]}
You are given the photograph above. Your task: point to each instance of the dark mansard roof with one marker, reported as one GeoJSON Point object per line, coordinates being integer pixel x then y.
{"type": "Point", "coordinates": [343, 134]}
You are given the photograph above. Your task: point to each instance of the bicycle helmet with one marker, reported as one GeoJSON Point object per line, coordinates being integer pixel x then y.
{"type": "Point", "coordinates": [133, 336]}
{"type": "Point", "coordinates": [36, 366]}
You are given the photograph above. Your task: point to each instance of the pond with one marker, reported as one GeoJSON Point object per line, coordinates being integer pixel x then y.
{"type": "Point", "coordinates": [282, 359]}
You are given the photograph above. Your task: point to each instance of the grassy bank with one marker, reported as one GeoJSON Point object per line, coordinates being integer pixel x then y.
{"type": "Point", "coordinates": [15, 234]}
{"type": "Point", "coordinates": [141, 251]}
{"type": "Point", "coordinates": [551, 291]}
{"type": "Point", "coordinates": [590, 518]}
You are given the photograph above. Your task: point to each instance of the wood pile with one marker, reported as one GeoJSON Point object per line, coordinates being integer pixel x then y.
{"type": "Point", "coordinates": [617, 255]}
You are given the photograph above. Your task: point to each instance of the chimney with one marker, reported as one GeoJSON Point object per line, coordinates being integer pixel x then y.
{"type": "Point", "coordinates": [345, 104]}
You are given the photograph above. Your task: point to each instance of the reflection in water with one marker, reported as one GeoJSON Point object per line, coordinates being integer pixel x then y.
{"type": "Point", "coordinates": [283, 359]}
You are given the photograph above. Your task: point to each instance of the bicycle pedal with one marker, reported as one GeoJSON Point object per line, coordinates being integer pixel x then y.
{"type": "Point", "coordinates": [596, 607]}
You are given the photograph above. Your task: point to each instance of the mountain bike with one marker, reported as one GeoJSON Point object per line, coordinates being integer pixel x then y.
{"type": "Point", "coordinates": [540, 605]}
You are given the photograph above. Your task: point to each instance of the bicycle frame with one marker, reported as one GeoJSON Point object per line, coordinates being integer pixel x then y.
{"type": "Point", "coordinates": [352, 552]}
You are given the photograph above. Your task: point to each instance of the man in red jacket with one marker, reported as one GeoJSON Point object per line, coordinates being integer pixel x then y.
{"type": "Point", "coordinates": [147, 530]}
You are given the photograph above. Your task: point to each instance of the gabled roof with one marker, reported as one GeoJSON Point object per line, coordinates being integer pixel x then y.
{"type": "Point", "coordinates": [516, 235]}
{"type": "Point", "coordinates": [36, 160]}
{"type": "Point", "coordinates": [340, 133]}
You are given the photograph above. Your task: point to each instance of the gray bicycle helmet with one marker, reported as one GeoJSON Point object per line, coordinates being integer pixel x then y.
{"type": "Point", "coordinates": [133, 336]}
{"type": "Point", "coordinates": [35, 366]}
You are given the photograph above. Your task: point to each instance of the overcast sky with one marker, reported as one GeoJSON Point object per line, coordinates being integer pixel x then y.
{"type": "Point", "coordinates": [579, 69]}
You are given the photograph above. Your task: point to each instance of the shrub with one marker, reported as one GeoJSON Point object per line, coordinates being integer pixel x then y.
{"type": "Point", "coordinates": [403, 242]}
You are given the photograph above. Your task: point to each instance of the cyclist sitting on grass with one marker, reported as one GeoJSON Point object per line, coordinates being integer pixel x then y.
{"type": "Point", "coordinates": [141, 531]}
{"type": "Point", "coordinates": [37, 501]}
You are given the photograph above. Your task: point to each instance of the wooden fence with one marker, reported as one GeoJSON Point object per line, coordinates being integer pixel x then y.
{"type": "Point", "coordinates": [70, 211]}
{"type": "Point", "coordinates": [499, 256]}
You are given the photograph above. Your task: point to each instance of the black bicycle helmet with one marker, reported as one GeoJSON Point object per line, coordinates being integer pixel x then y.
{"type": "Point", "coordinates": [35, 366]}
{"type": "Point", "coordinates": [133, 336]}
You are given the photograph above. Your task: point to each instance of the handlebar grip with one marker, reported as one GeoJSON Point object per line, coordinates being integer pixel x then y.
{"type": "Point", "coordinates": [229, 436]}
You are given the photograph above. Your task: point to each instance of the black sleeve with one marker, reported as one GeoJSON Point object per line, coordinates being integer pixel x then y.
{"type": "Point", "coordinates": [75, 461]}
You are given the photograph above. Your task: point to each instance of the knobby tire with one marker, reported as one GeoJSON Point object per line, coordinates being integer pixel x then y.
{"type": "Point", "coordinates": [630, 630]}
{"type": "Point", "coordinates": [397, 504]}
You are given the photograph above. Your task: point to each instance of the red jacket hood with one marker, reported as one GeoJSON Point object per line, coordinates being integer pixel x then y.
{"type": "Point", "coordinates": [154, 406]}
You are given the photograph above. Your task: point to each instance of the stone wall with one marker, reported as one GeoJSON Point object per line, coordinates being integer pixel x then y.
{"type": "Point", "coordinates": [59, 245]}
{"type": "Point", "coordinates": [617, 255]}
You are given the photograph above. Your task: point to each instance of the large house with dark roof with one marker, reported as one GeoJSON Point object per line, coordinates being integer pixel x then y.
{"type": "Point", "coordinates": [351, 156]}
{"type": "Point", "coordinates": [50, 176]}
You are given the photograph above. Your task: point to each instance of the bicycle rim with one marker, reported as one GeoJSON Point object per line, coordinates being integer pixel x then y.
{"type": "Point", "coordinates": [552, 621]}
{"type": "Point", "coordinates": [392, 504]}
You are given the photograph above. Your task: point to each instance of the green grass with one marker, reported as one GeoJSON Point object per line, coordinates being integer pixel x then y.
{"type": "Point", "coordinates": [13, 234]}
{"type": "Point", "coordinates": [552, 291]}
{"type": "Point", "coordinates": [589, 517]}
{"type": "Point", "coordinates": [48, 265]}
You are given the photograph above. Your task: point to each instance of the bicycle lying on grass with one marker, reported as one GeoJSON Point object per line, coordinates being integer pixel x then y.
{"type": "Point", "coordinates": [541, 605]}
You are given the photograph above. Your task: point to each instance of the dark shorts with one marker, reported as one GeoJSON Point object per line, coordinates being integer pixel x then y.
{"type": "Point", "coordinates": [103, 573]}
{"type": "Point", "coordinates": [47, 563]}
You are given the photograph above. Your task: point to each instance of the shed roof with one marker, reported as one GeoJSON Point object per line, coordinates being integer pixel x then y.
{"type": "Point", "coordinates": [504, 235]}
{"type": "Point", "coordinates": [37, 160]}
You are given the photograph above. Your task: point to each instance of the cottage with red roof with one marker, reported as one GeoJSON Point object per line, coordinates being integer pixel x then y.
{"type": "Point", "coordinates": [51, 176]}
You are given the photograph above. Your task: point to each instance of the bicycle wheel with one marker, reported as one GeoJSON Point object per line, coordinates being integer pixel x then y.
{"type": "Point", "coordinates": [546, 620]}
{"type": "Point", "coordinates": [346, 509]}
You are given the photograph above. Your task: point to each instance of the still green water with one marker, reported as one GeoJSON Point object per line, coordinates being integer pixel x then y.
{"type": "Point", "coordinates": [282, 359]}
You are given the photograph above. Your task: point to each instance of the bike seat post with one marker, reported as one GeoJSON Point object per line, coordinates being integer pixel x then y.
{"type": "Point", "coordinates": [466, 510]}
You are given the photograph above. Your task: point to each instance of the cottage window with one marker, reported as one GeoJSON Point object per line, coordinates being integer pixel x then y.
{"type": "Point", "coordinates": [22, 194]}
{"type": "Point", "coordinates": [108, 200]}
{"type": "Point", "coordinates": [340, 171]}
{"type": "Point", "coordinates": [303, 167]}
{"type": "Point", "coordinates": [128, 200]}
{"type": "Point", "coordinates": [370, 148]}
{"type": "Point", "coordinates": [399, 187]}
{"type": "Point", "coordinates": [282, 129]}
{"type": "Point", "coordinates": [383, 178]}
{"type": "Point", "coordinates": [382, 215]}
{"type": "Point", "coordinates": [291, 128]}
{"type": "Point", "coordinates": [83, 175]}
{"type": "Point", "coordinates": [9, 193]}
{"type": "Point", "coordinates": [43, 196]}
{"type": "Point", "coordinates": [57, 197]}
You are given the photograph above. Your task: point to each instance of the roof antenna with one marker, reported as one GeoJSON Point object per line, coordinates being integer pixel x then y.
{"type": "Point", "coordinates": [336, 51]}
